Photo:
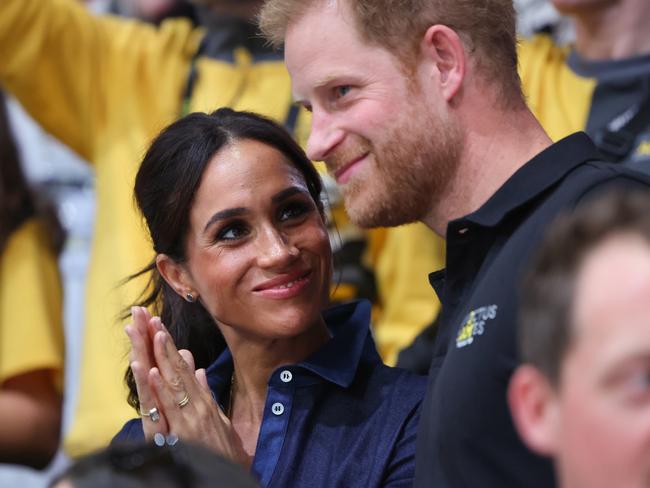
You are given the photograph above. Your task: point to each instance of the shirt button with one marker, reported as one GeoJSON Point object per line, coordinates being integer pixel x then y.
{"type": "Point", "coordinates": [286, 376]}
{"type": "Point", "coordinates": [277, 408]}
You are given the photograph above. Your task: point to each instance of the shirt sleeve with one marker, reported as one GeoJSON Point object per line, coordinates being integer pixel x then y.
{"type": "Point", "coordinates": [70, 69]}
{"type": "Point", "coordinates": [31, 331]}
{"type": "Point", "coordinates": [131, 432]}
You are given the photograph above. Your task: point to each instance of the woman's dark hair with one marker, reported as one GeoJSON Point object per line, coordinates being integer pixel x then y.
{"type": "Point", "coordinates": [145, 465]}
{"type": "Point", "coordinates": [168, 178]}
{"type": "Point", "coordinates": [17, 203]}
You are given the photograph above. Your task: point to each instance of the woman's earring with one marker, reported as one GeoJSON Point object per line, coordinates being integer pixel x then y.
{"type": "Point", "coordinates": [190, 297]}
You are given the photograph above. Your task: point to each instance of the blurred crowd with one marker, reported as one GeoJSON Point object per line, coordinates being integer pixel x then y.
{"type": "Point", "coordinates": [88, 85]}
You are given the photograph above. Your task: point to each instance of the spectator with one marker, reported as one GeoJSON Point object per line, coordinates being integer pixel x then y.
{"type": "Point", "coordinates": [31, 335]}
{"type": "Point", "coordinates": [299, 395]}
{"type": "Point", "coordinates": [582, 394]}
{"type": "Point", "coordinates": [419, 115]}
{"type": "Point", "coordinates": [600, 83]}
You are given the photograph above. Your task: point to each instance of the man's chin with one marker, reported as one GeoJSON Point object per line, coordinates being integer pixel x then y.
{"type": "Point", "coordinates": [368, 217]}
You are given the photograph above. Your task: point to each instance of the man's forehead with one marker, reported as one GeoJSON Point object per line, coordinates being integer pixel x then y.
{"type": "Point", "coordinates": [613, 277]}
{"type": "Point", "coordinates": [315, 48]}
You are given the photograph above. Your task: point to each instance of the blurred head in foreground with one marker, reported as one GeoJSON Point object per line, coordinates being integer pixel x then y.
{"type": "Point", "coordinates": [147, 465]}
{"type": "Point", "coordinates": [582, 394]}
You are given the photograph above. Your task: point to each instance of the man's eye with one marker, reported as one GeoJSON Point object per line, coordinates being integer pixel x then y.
{"type": "Point", "coordinates": [342, 90]}
{"type": "Point", "coordinates": [639, 381]}
{"type": "Point", "coordinates": [232, 232]}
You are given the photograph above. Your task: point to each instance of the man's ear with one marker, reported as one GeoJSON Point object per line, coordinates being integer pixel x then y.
{"type": "Point", "coordinates": [534, 409]}
{"type": "Point", "coordinates": [176, 276]}
{"type": "Point", "coordinates": [445, 51]}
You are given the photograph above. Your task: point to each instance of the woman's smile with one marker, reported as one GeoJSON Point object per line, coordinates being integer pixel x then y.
{"type": "Point", "coordinates": [258, 250]}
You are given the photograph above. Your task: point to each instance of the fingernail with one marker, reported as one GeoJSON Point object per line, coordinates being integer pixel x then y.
{"type": "Point", "coordinates": [159, 439]}
{"type": "Point", "coordinates": [157, 323]}
{"type": "Point", "coordinates": [127, 330]}
{"type": "Point", "coordinates": [155, 375]}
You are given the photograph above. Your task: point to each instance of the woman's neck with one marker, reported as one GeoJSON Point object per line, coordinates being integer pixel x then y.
{"type": "Point", "coordinates": [254, 363]}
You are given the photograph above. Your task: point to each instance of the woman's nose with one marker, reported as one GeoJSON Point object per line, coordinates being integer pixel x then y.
{"type": "Point", "coordinates": [275, 249]}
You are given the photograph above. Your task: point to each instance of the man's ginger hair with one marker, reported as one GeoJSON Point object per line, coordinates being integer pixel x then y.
{"type": "Point", "coordinates": [486, 27]}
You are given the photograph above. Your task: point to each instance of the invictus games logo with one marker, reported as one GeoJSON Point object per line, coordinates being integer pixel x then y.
{"type": "Point", "coordinates": [474, 324]}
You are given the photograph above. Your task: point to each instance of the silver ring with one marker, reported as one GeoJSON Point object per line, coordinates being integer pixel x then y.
{"type": "Point", "coordinates": [153, 414]}
{"type": "Point", "coordinates": [184, 401]}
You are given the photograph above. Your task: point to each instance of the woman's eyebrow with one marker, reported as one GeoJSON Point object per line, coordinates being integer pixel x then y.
{"type": "Point", "coordinates": [228, 213]}
{"type": "Point", "coordinates": [288, 192]}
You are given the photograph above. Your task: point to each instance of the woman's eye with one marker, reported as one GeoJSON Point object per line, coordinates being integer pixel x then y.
{"type": "Point", "coordinates": [232, 232]}
{"type": "Point", "coordinates": [294, 210]}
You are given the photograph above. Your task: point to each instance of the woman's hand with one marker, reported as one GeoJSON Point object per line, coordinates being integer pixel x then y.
{"type": "Point", "coordinates": [141, 332]}
{"type": "Point", "coordinates": [185, 398]}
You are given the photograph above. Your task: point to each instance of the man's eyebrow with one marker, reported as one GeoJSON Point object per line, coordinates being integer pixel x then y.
{"type": "Point", "coordinates": [288, 192]}
{"type": "Point", "coordinates": [321, 83]}
{"type": "Point", "coordinates": [228, 213]}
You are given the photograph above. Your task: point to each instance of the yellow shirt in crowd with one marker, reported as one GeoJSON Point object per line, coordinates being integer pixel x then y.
{"type": "Point", "coordinates": [31, 332]}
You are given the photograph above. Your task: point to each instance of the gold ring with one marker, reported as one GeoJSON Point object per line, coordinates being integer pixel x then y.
{"type": "Point", "coordinates": [153, 414]}
{"type": "Point", "coordinates": [184, 401]}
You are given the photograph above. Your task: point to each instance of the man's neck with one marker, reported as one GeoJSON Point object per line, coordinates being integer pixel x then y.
{"type": "Point", "coordinates": [613, 32]}
{"type": "Point", "coordinates": [487, 160]}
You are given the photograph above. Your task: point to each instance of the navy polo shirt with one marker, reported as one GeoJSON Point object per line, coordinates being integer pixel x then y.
{"type": "Point", "coordinates": [466, 436]}
{"type": "Point", "coordinates": [339, 418]}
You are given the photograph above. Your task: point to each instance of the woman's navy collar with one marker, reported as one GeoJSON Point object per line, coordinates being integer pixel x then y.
{"type": "Point", "coordinates": [336, 362]}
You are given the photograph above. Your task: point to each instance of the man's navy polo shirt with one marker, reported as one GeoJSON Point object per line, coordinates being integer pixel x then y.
{"type": "Point", "coordinates": [466, 437]}
{"type": "Point", "coordinates": [339, 418]}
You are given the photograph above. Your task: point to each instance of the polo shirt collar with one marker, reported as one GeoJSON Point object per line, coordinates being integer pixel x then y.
{"type": "Point", "coordinates": [336, 362]}
{"type": "Point", "coordinates": [537, 175]}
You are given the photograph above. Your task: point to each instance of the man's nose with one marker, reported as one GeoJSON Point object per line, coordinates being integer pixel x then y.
{"type": "Point", "coordinates": [324, 136]}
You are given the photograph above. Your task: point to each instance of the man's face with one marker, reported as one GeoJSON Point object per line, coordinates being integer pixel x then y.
{"type": "Point", "coordinates": [386, 142]}
{"type": "Point", "coordinates": [604, 393]}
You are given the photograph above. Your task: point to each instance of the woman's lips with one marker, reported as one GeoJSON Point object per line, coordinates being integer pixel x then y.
{"type": "Point", "coordinates": [284, 287]}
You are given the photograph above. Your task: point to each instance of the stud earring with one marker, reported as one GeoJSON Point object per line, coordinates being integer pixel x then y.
{"type": "Point", "coordinates": [189, 297]}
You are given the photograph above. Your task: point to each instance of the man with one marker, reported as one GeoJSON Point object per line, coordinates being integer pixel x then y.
{"type": "Point", "coordinates": [600, 84]}
{"type": "Point", "coordinates": [418, 113]}
{"type": "Point", "coordinates": [583, 394]}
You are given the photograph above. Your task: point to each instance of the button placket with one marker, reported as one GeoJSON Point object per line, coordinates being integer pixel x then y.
{"type": "Point", "coordinates": [286, 376]}
{"type": "Point", "coordinates": [277, 408]}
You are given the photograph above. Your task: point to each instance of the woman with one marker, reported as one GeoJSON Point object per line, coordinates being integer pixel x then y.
{"type": "Point", "coordinates": [302, 398]}
{"type": "Point", "coordinates": [31, 331]}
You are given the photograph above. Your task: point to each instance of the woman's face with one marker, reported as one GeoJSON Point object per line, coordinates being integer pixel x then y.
{"type": "Point", "coordinates": [258, 254]}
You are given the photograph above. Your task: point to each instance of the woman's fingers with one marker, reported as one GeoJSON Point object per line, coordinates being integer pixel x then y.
{"type": "Point", "coordinates": [202, 379]}
{"type": "Point", "coordinates": [175, 371]}
{"type": "Point", "coordinates": [153, 418]}
{"type": "Point", "coordinates": [141, 344]}
{"type": "Point", "coordinates": [188, 357]}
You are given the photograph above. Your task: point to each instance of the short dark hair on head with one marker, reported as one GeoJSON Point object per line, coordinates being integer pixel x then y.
{"type": "Point", "coordinates": [147, 465]}
{"type": "Point", "coordinates": [169, 177]}
{"type": "Point", "coordinates": [548, 289]}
